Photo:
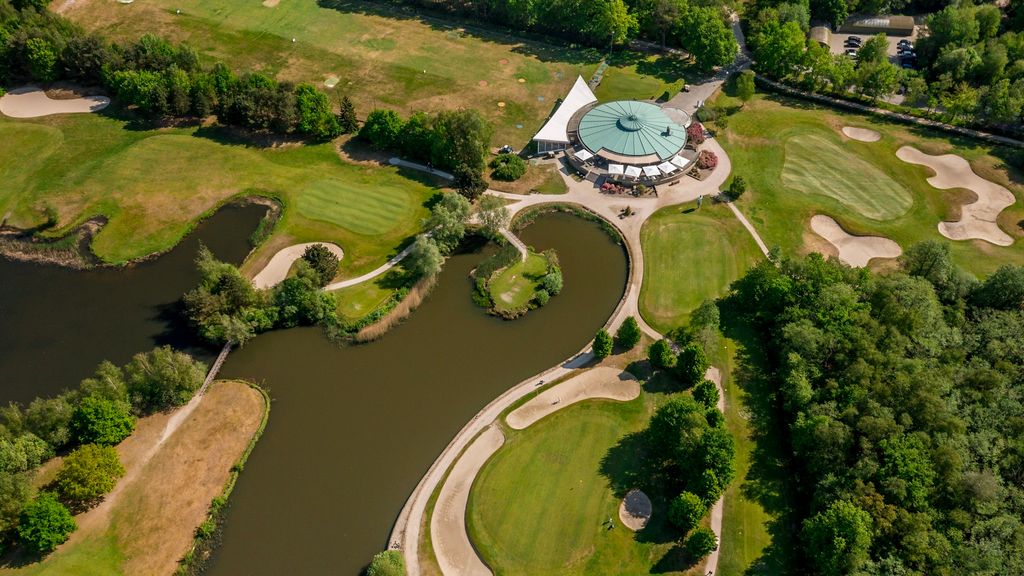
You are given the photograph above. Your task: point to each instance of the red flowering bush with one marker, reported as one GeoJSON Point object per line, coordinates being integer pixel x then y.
{"type": "Point", "coordinates": [707, 160]}
{"type": "Point", "coordinates": [695, 133]}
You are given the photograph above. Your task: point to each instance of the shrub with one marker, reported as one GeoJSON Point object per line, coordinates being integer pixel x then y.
{"type": "Point", "coordinates": [737, 187]}
{"type": "Point", "coordinates": [552, 282]}
{"type": "Point", "coordinates": [691, 365]}
{"type": "Point", "coordinates": [542, 297]}
{"type": "Point", "coordinates": [468, 181]}
{"type": "Point", "coordinates": [162, 378]}
{"type": "Point", "coordinates": [602, 344]}
{"type": "Point", "coordinates": [101, 421]}
{"type": "Point", "coordinates": [701, 543]}
{"type": "Point", "coordinates": [628, 334]}
{"type": "Point", "coordinates": [695, 133]}
{"type": "Point", "coordinates": [707, 160]}
{"type": "Point", "coordinates": [660, 354]}
{"type": "Point", "coordinates": [686, 510]}
{"type": "Point", "coordinates": [322, 261]}
{"type": "Point", "coordinates": [88, 473]}
{"type": "Point", "coordinates": [382, 129]}
{"type": "Point", "coordinates": [42, 59]}
{"type": "Point", "coordinates": [706, 393]}
{"type": "Point", "coordinates": [44, 524]}
{"type": "Point", "coordinates": [389, 563]}
{"type": "Point", "coordinates": [508, 167]}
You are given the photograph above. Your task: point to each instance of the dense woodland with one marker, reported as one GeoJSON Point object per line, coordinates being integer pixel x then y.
{"type": "Point", "coordinates": [159, 79]}
{"type": "Point", "coordinates": [970, 65]}
{"type": "Point", "coordinates": [889, 413]}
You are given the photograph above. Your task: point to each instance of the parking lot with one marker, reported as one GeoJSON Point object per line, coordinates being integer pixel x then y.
{"type": "Point", "coordinates": [837, 39]}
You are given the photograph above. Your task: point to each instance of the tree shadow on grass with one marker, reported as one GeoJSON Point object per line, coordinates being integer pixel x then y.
{"type": "Point", "coordinates": [769, 480]}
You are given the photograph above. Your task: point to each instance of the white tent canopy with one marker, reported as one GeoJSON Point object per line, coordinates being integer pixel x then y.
{"type": "Point", "coordinates": [615, 169]}
{"type": "Point", "coordinates": [632, 171]}
{"type": "Point", "coordinates": [554, 135]}
{"type": "Point", "coordinates": [583, 154]}
{"type": "Point", "coordinates": [667, 167]}
{"type": "Point", "coordinates": [680, 161]}
{"type": "Point", "coordinates": [651, 171]}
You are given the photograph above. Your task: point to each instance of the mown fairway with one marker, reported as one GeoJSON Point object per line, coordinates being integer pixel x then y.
{"type": "Point", "coordinates": [515, 286]}
{"type": "Point", "coordinates": [540, 505]}
{"type": "Point", "coordinates": [690, 256]}
{"type": "Point", "coordinates": [816, 164]}
{"type": "Point", "coordinates": [153, 185]}
{"type": "Point", "coordinates": [771, 137]}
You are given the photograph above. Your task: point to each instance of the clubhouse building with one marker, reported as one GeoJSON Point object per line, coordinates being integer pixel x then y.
{"type": "Point", "coordinates": [625, 141]}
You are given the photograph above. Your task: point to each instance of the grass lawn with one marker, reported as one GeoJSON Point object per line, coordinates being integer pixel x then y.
{"type": "Point", "coordinates": [787, 151]}
{"type": "Point", "coordinates": [153, 185]}
{"type": "Point", "coordinates": [689, 256]}
{"type": "Point", "coordinates": [400, 61]}
{"type": "Point", "coordinates": [514, 287]}
{"type": "Point", "coordinates": [542, 178]}
{"type": "Point", "coordinates": [540, 504]}
{"type": "Point", "coordinates": [646, 78]}
{"type": "Point", "coordinates": [357, 301]}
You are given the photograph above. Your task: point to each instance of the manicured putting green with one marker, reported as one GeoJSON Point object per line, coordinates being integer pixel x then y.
{"type": "Point", "coordinates": [369, 211]}
{"type": "Point", "coordinates": [817, 165]}
{"type": "Point", "coordinates": [540, 505]}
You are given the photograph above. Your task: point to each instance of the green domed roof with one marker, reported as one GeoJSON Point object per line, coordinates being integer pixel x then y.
{"type": "Point", "coordinates": [631, 128]}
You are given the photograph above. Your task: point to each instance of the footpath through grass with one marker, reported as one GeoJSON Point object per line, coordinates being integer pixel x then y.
{"type": "Point", "coordinates": [797, 163]}
{"type": "Point", "coordinates": [690, 255]}
{"type": "Point", "coordinates": [153, 185]}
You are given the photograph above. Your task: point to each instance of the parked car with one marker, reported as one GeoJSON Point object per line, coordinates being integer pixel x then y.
{"type": "Point", "coordinates": [849, 44]}
{"type": "Point", "coordinates": [904, 43]}
{"type": "Point", "coordinates": [851, 53]}
{"type": "Point", "coordinates": [856, 39]}
{"type": "Point", "coordinates": [906, 65]}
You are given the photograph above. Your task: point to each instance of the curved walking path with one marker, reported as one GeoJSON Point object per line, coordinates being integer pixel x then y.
{"type": "Point", "coordinates": [280, 263]}
{"type": "Point", "coordinates": [32, 102]}
{"type": "Point", "coordinates": [373, 274]}
{"type": "Point", "coordinates": [978, 220]}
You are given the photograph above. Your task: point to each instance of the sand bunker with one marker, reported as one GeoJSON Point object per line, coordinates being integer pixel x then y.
{"type": "Point", "coordinates": [635, 510]}
{"type": "Point", "coordinates": [977, 219]}
{"type": "Point", "coordinates": [31, 102]}
{"type": "Point", "coordinates": [601, 382]}
{"type": "Point", "coordinates": [271, 3]}
{"type": "Point", "coordinates": [277, 269]}
{"type": "Point", "coordinates": [455, 553]}
{"type": "Point", "coordinates": [856, 251]}
{"type": "Point", "coordinates": [862, 134]}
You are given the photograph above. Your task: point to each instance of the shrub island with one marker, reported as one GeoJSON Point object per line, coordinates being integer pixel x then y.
{"type": "Point", "coordinates": [509, 286]}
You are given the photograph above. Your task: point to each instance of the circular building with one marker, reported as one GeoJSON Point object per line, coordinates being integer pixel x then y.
{"type": "Point", "coordinates": [630, 132]}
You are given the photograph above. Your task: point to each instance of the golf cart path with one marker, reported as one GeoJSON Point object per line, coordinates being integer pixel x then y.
{"type": "Point", "coordinates": [855, 251]}
{"type": "Point", "coordinates": [280, 263]}
{"type": "Point", "coordinates": [32, 102]}
{"type": "Point", "coordinates": [978, 220]}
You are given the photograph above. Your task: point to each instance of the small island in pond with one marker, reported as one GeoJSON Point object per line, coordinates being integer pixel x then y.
{"type": "Point", "coordinates": [509, 286]}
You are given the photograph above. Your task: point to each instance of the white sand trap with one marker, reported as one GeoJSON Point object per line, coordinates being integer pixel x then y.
{"type": "Point", "coordinates": [600, 382]}
{"type": "Point", "coordinates": [31, 102]}
{"type": "Point", "coordinates": [856, 251]}
{"type": "Point", "coordinates": [862, 134]}
{"type": "Point", "coordinates": [271, 3]}
{"type": "Point", "coordinates": [331, 80]}
{"type": "Point", "coordinates": [977, 219]}
{"type": "Point", "coordinates": [455, 553]}
{"type": "Point", "coordinates": [635, 510]}
{"type": "Point", "coordinates": [277, 269]}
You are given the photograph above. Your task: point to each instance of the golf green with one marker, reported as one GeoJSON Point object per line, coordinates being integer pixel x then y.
{"type": "Point", "coordinates": [817, 165]}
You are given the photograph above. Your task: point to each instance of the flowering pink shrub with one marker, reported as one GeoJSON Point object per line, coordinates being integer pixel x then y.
{"type": "Point", "coordinates": [695, 133]}
{"type": "Point", "coordinates": [707, 160]}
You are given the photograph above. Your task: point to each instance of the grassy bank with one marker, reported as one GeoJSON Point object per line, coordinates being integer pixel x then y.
{"type": "Point", "coordinates": [147, 523]}
{"type": "Point", "coordinates": [798, 163]}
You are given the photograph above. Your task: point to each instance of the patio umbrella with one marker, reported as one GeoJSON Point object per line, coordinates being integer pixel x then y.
{"type": "Point", "coordinates": [615, 169]}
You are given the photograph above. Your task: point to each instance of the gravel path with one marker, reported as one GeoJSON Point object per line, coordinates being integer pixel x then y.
{"type": "Point", "coordinates": [978, 220]}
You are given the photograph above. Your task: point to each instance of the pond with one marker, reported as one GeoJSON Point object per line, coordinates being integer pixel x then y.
{"type": "Point", "coordinates": [352, 429]}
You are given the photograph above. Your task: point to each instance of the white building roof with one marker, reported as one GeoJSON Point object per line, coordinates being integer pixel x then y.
{"type": "Point", "coordinates": [555, 129]}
